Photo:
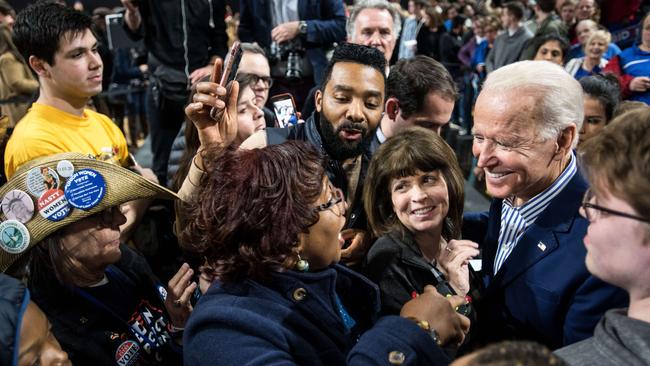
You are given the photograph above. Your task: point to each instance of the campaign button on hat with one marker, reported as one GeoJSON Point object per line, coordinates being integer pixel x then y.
{"type": "Point", "coordinates": [17, 205]}
{"type": "Point", "coordinates": [14, 237]}
{"type": "Point", "coordinates": [65, 168]}
{"type": "Point", "coordinates": [53, 205]}
{"type": "Point", "coordinates": [40, 179]}
{"type": "Point", "coordinates": [85, 189]}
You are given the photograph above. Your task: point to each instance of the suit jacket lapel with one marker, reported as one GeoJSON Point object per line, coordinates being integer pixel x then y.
{"type": "Point", "coordinates": [539, 240]}
{"type": "Point", "coordinates": [491, 241]}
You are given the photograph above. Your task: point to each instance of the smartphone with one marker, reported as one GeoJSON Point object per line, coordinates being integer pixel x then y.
{"type": "Point", "coordinates": [284, 108]}
{"type": "Point", "coordinates": [229, 71]}
{"type": "Point", "coordinates": [230, 64]}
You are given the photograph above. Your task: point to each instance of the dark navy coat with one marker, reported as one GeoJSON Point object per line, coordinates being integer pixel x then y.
{"type": "Point", "coordinates": [293, 319]}
{"type": "Point", "coordinates": [543, 291]}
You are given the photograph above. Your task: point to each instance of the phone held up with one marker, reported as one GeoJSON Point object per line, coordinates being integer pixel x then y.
{"type": "Point", "coordinates": [229, 70]}
{"type": "Point", "coordinates": [284, 108]}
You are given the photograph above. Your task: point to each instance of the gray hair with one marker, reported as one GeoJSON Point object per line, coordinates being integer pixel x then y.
{"type": "Point", "coordinates": [374, 4]}
{"type": "Point", "coordinates": [561, 96]}
{"type": "Point", "coordinates": [252, 48]}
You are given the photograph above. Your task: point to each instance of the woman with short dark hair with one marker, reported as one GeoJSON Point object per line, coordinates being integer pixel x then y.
{"type": "Point", "coordinates": [601, 98]}
{"type": "Point", "coordinates": [414, 202]}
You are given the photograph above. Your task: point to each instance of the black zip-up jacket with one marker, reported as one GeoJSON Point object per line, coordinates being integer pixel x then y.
{"type": "Point", "coordinates": [172, 27]}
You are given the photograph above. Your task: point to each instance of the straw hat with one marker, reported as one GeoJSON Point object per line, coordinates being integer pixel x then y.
{"type": "Point", "coordinates": [49, 193]}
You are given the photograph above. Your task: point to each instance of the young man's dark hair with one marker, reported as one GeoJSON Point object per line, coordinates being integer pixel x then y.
{"type": "Point", "coordinates": [40, 27]}
{"type": "Point", "coordinates": [541, 40]}
{"type": "Point", "coordinates": [410, 80]}
{"type": "Point", "coordinates": [350, 52]}
{"type": "Point", "coordinates": [515, 9]}
{"type": "Point", "coordinates": [547, 6]}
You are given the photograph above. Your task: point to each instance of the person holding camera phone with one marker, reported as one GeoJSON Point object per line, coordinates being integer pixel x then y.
{"type": "Point", "coordinates": [184, 38]}
{"type": "Point", "coordinates": [296, 35]}
{"type": "Point", "coordinates": [414, 203]}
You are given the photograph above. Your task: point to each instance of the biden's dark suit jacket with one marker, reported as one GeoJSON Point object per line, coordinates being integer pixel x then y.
{"type": "Point", "coordinates": [543, 291]}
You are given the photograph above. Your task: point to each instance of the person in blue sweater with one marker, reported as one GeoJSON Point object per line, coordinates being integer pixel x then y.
{"type": "Point", "coordinates": [632, 67]}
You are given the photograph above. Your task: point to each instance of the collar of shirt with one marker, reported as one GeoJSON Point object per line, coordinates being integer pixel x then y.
{"type": "Point", "coordinates": [536, 205]}
{"type": "Point", "coordinates": [380, 135]}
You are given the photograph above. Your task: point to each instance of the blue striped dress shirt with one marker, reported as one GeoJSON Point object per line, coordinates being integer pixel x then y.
{"type": "Point", "coordinates": [515, 220]}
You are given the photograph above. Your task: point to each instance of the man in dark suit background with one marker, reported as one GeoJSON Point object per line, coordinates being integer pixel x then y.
{"type": "Point", "coordinates": [536, 285]}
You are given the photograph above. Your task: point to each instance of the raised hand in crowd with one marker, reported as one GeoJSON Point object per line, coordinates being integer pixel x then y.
{"type": "Point", "coordinates": [213, 111]}
{"type": "Point", "coordinates": [132, 15]}
{"type": "Point", "coordinates": [179, 293]}
{"type": "Point", "coordinates": [440, 313]}
{"type": "Point", "coordinates": [454, 259]}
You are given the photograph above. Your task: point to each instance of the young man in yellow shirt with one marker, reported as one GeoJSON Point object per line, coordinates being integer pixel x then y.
{"type": "Point", "coordinates": [60, 47]}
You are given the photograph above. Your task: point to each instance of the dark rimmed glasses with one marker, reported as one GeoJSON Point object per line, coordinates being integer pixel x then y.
{"type": "Point", "coordinates": [592, 210]}
{"type": "Point", "coordinates": [334, 201]}
{"type": "Point", "coordinates": [268, 81]}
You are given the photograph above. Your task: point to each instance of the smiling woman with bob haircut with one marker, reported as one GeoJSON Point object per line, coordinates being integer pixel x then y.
{"type": "Point", "coordinates": [414, 202]}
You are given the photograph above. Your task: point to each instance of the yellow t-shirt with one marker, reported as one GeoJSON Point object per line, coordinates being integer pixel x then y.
{"type": "Point", "coordinates": [46, 130]}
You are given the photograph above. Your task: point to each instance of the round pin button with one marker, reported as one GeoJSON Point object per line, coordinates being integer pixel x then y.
{"type": "Point", "coordinates": [85, 189]}
{"type": "Point", "coordinates": [17, 205]}
{"type": "Point", "coordinates": [53, 205]}
{"type": "Point", "coordinates": [40, 179]}
{"type": "Point", "coordinates": [65, 168]}
{"type": "Point", "coordinates": [14, 237]}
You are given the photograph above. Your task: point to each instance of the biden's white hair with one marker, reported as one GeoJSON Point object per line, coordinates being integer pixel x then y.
{"type": "Point", "coordinates": [560, 95]}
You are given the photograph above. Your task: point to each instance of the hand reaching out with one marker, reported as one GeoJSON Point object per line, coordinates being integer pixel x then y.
{"type": "Point", "coordinates": [454, 259]}
{"type": "Point", "coordinates": [439, 312]}
{"type": "Point", "coordinates": [179, 293]}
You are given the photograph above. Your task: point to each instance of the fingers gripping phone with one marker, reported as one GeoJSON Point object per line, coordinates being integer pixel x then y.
{"type": "Point", "coordinates": [284, 108]}
{"type": "Point", "coordinates": [230, 65]}
{"type": "Point", "coordinates": [226, 74]}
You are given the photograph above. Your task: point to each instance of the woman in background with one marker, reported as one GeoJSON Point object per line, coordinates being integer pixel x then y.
{"type": "Point", "coordinates": [593, 61]}
{"type": "Point", "coordinates": [17, 85]}
{"type": "Point", "coordinates": [601, 97]}
{"type": "Point", "coordinates": [428, 38]}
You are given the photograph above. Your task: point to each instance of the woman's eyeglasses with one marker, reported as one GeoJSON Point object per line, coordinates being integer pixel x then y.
{"type": "Point", "coordinates": [334, 201]}
{"type": "Point", "coordinates": [592, 211]}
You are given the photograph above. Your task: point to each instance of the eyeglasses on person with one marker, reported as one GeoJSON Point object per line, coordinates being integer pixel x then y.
{"type": "Point", "coordinates": [268, 81]}
{"type": "Point", "coordinates": [333, 202]}
{"type": "Point", "coordinates": [592, 211]}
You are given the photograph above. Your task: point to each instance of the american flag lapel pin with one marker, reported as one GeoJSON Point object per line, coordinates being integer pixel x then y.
{"type": "Point", "coordinates": [541, 246]}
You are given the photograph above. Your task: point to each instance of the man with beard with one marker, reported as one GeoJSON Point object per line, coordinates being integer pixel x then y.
{"type": "Point", "coordinates": [349, 105]}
